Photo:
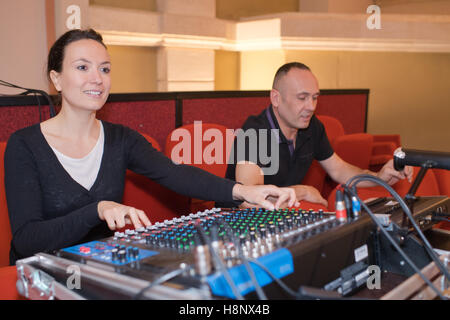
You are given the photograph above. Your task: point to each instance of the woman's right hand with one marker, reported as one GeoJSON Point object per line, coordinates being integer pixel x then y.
{"type": "Point", "coordinates": [118, 215]}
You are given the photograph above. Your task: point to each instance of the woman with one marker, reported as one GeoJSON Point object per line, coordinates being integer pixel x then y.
{"type": "Point", "coordinates": [64, 177]}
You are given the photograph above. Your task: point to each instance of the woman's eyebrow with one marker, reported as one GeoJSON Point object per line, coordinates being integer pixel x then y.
{"type": "Point", "coordinates": [87, 61]}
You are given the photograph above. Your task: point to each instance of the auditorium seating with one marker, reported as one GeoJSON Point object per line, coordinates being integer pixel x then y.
{"type": "Point", "coordinates": [428, 186]}
{"type": "Point", "coordinates": [355, 148]}
{"type": "Point", "coordinates": [383, 149]}
{"type": "Point", "coordinates": [206, 146]}
{"type": "Point", "coordinates": [5, 228]}
{"type": "Point", "coordinates": [443, 180]}
{"type": "Point", "coordinates": [316, 175]}
{"type": "Point", "coordinates": [8, 274]}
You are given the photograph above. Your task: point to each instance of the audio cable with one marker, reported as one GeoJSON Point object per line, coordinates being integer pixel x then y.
{"type": "Point", "coordinates": [407, 211]}
{"type": "Point", "coordinates": [352, 190]}
{"type": "Point", "coordinates": [165, 277]}
{"type": "Point", "coordinates": [244, 259]}
{"type": "Point", "coordinates": [33, 91]}
{"type": "Point", "coordinates": [218, 262]}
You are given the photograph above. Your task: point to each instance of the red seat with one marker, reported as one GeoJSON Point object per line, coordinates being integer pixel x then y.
{"type": "Point", "coordinates": [158, 202]}
{"type": "Point", "coordinates": [428, 186]}
{"type": "Point", "coordinates": [5, 227]}
{"type": "Point", "coordinates": [203, 145]}
{"type": "Point", "coordinates": [8, 274]}
{"type": "Point", "coordinates": [383, 149]}
{"type": "Point", "coordinates": [363, 194]}
{"type": "Point", "coordinates": [443, 180]}
{"type": "Point", "coordinates": [355, 149]}
{"type": "Point", "coordinates": [8, 279]}
{"type": "Point", "coordinates": [333, 127]}
{"type": "Point", "coordinates": [316, 175]}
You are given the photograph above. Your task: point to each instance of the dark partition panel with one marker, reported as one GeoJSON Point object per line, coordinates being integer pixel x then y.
{"type": "Point", "coordinates": [348, 106]}
{"type": "Point", "coordinates": [154, 118]}
{"type": "Point", "coordinates": [157, 114]}
{"type": "Point", "coordinates": [17, 112]}
{"type": "Point", "coordinates": [230, 112]}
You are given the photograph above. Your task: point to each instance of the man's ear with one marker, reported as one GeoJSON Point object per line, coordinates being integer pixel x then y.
{"type": "Point", "coordinates": [275, 97]}
{"type": "Point", "coordinates": [55, 77]}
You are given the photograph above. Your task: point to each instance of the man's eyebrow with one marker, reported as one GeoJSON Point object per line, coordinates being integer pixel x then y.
{"type": "Point", "coordinates": [309, 93]}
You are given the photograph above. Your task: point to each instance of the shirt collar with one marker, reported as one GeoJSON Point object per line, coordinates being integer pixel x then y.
{"type": "Point", "coordinates": [274, 125]}
{"type": "Point", "coordinates": [301, 133]}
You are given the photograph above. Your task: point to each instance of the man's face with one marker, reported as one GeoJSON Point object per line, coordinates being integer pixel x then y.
{"type": "Point", "coordinates": [295, 98]}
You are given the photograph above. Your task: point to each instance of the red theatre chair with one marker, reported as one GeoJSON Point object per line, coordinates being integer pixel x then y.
{"type": "Point", "coordinates": [443, 180]}
{"type": "Point", "coordinates": [158, 202]}
{"type": "Point", "coordinates": [363, 194]}
{"type": "Point", "coordinates": [316, 176]}
{"type": "Point", "coordinates": [203, 145]}
{"type": "Point", "coordinates": [428, 186]}
{"type": "Point", "coordinates": [383, 149]}
{"type": "Point", "coordinates": [353, 148]}
{"type": "Point", "coordinates": [8, 274]}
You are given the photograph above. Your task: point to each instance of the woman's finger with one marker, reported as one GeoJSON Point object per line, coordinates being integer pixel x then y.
{"type": "Point", "coordinates": [134, 217]}
{"type": "Point", "coordinates": [143, 217]}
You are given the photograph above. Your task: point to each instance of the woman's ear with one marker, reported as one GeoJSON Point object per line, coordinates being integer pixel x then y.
{"type": "Point", "coordinates": [55, 77]}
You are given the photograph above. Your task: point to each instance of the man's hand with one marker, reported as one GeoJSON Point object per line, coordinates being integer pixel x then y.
{"type": "Point", "coordinates": [309, 194]}
{"type": "Point", "coordinates": [118, 215]}
{"type": "Point", "coordinates": [392, 176]}
{"type": "Point", "coordinates": [260, 195]}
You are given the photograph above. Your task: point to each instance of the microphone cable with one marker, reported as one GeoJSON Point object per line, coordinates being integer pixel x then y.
{"type": "Point", "coordinates": [244, 259]}
{"type": "Point", "coordinates": [407, 211]}
{"type": "Point", "coordinates": [365, 177]}
{"type": "Point", "coordinates": [217, 261]}
{"type": "Point", "coordinates": [31, 91]}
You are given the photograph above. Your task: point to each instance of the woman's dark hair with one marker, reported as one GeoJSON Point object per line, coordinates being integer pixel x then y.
{"type": "Point", "coordinates": [56, 54]}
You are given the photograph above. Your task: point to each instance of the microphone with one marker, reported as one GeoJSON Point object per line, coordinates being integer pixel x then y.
{"type": "Point", "coordinates": [420, 158]}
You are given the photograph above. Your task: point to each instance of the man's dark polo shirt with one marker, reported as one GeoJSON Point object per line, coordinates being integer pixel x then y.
{"type": "Point", "coordinates": [311, 143]}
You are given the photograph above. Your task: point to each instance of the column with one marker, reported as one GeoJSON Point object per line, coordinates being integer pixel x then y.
{"type": "Point", "coordinates": [182, 68]}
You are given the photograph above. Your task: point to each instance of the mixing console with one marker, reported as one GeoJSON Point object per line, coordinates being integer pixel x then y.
{"type": "Point", "coordinates": [258, 231]}
{"type": "Point", "coordinates": [227, 253]}
{"type": "Point", "coordinates": [196, 242]}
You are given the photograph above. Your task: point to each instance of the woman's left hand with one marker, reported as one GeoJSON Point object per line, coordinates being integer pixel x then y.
{"type": "Point", "coordinates": [259, 195]}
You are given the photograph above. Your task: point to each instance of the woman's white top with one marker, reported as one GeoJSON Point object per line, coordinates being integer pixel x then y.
{"type": "Point", "coordinates": [84, 170]}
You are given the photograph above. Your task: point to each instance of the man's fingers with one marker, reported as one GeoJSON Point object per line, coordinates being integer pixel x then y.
{"type": "Point", "coordinates": [284, 197]}
{"type": "Point", "coordinates": [267, 205]}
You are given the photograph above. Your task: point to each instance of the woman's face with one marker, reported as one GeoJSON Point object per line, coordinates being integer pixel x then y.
{"type": "Point", "coordinates": [84, 81]}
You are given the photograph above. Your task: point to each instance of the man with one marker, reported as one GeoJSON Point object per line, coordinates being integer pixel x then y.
{"type": "Point", "coordinates": [301, 138]}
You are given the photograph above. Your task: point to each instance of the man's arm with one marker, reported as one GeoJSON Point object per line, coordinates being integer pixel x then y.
{"type": "Point", "coordinates": [249, 173]}
{"type": "Point", "coordinates": [341, 171]}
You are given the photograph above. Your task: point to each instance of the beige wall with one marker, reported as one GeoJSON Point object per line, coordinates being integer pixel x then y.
{"type": "Point", "coordinates": [23, 52]}
{"type": "Point", "coordinates": [236, 9]}
{"type": "Point", "coordinates": [415, 6]}
{"type": "Point", "coordinates": [133, 69]}
{"type": "Point", "coordinates": [409, 92]}
{"type": "Point", "coordinates": [148, 5]}
{"type": "Point", "coordinates": [227, 70]}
